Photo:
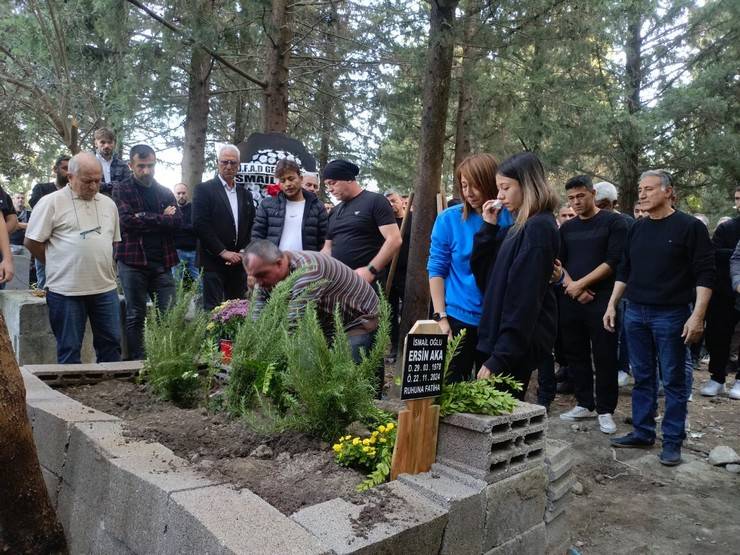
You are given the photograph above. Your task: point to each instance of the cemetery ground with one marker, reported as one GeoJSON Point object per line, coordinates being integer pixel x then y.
{"type": "Point", "coordinates": [625, 501]}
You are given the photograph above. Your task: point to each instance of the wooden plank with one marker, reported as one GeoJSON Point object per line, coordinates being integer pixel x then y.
{"type": "Point", "coordinates": [418, 423]}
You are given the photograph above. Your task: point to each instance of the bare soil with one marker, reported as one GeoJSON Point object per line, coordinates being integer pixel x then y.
{"type": "Point", "coordinates": [631, 504]}
{"type": "Point", "coordinates": [288, 470]}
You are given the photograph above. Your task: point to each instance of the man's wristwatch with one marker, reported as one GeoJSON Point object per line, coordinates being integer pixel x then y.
{"type": "Point", "coordinates": [372, 269]}
{"type": "Point", "coordinates": [437, 316]}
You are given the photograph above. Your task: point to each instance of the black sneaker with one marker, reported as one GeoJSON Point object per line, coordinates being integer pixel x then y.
{"type": "Point", "coordinates": [670, 455]}
{"type": "Point", "coordinates": [631, 441]}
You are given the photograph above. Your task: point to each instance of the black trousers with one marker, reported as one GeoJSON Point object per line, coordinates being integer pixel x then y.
{"type": "Point", "coordinates": [464, 366]}
{"type": "Point", "coordinates": [226, 284]}
{"type": "Point", "coordinates": [584, 337]}
{"type": "Point", "coordinates": [722, 317]}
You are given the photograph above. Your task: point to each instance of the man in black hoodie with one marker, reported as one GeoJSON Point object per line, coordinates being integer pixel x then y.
{"type": "Point", "coordinates": [295, 220]}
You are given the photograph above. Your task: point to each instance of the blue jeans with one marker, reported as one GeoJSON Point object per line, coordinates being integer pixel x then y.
{"type": "Point", "coordinates": [654, 337]}
{"type": "Point", "coordinates": [187, 267]}
{"type": "Point", "coordinates": [67, 316]}
{"type": "Point", "coordinates": [40, 274]}
{"type": "Point", "coordinates": [139, 285]}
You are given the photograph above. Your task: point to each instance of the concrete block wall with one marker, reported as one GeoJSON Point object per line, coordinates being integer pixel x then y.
{"type": "Point", "coordinates": [560, 478]}
{"type": "Point", "coordinates": [27, 318]}
{"type": "Point", "coordinates": [115, 495]}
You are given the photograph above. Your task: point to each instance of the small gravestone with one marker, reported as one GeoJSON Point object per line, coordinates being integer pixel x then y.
{"type": "Point", "coordinates": [423, 375]}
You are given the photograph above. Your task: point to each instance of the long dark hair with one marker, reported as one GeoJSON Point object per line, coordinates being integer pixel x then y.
{"type": "Point", "coordinates": [537, 195]}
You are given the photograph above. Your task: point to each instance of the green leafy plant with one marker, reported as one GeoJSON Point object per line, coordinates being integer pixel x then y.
{"type": "Point", "coordinates": [173, 340]}
{"type": "Point", "coordinates": [373, 454]}
{"type": "Point", "coordinates": [326, 389]}
{"type": "Point", "coordinates": [479, 396]}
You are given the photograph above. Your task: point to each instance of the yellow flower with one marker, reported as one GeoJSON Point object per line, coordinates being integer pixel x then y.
{"type": "Point", "coordinates": [381, 429]}
{"type": "Point", "coordinates": [365, 449]}
{"type": "Point", "coordinates": [356, 441]}
{"type": "Point", "coordinates": [375, 433]}
{"type": "Point", "coordinates": [366, 442]}
{"type": "Point", "coordinates": [210, 326]}
{"type": "Point", "coordinates": [337, 448]}
{"type": "Point", "coordinates": [383, 440]}
{"type": "Point", "coordinates": [390, 426]}
{"type": "Point", "coordinates": [371, 441]}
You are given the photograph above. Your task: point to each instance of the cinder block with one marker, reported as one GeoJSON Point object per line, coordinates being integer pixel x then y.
{"type": "Point", "coordinates": [531, 542]}
{"type": "Point", "coordinates": [35, 349]}
{"type": "Point", "coordinates": [459, 476]}
{"type": "Point", "coordinates": [52, 485]}
{"type": "Point", "coordinates": [560, 487]}
{"type": "Point", "coordinates": [413, 524]}
{"type": "Point", "coordinates": [52, 421]}
{"type": "Point", "coordinates": [558, 458]}
{"type": "Point", "coordinates": [37, 390]}
{"type": "Point", "coordinates": [557, 535]}
{"type": "Point", "coordinates": [514, 505]}
{"type": "Point", "coordinates": [218, 519]}
{"type": "Point", "coordinates": [555, 508]}
{"type": "Point", "coordinates": [465, 506]}
{"type": "Point", "coordinates": [493, 447]}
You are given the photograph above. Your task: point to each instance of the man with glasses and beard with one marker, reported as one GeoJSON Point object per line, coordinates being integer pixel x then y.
{"type": "Point", "coordinates": [223, 214]}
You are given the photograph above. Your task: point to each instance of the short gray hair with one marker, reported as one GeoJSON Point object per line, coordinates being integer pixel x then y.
{"type": "Point", "coordinates": [264, 249]}
{"type": "Point", "coordinates": [232, 148]}
{"type": "Point", "coordinates": [391, 192]}
{"type": "Point", "coordinates": [605, 190]}
{"type": "Point", "coordinates": [76, 160]}
{"type": "Point", "coordinates": [666, 180]}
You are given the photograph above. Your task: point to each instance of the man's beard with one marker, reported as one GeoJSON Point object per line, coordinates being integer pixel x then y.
{"type": "Point", "coordinates": [182, 202]}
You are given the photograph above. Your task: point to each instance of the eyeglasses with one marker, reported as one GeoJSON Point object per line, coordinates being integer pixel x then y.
{"type": "Point", "coordinates": [84, 234]}
{"type": "Point", "coordinates": [228, 162]}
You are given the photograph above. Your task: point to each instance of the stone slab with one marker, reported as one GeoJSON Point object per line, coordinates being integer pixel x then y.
{"type": "Point", "coordinates": [531, 542]}
{"type": "Point", "coordinates": [52, 485]}
{"type": "Point", "coordinates": [465, 505]}
{"type": "Point", "coordinates": [557, 535]}
{"type": "Point", "coordinates": [413, 525]}
{"type": "Point", "coordinates": [553, 509]}
{"type": "Point", "coordinates": [52, 421]}
{"type": "Point", "coordinates": [218, 519]}
{"type": "Point", "coordinates": [560, 487]}
{"type": "Point", "coordinates": [557, 452]}
{"type": "Point", "coordinates": [514, 505]}
{"type": "Point", "coordinates": [37, 390]}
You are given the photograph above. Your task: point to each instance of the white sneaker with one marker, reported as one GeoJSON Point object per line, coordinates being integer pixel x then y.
{"type": "Point", "coordinates": [712, 389]}
{"type": "Point", "coordinates": [606, 423]}
{"type": "Point", "coordinates": [691, 397]}
{"type": "Point", "coordinates": [735, 391]}
{"type": "Point", "coordinates": [577, 413]}
{"type": "Point", "coordinates": [623, 378]}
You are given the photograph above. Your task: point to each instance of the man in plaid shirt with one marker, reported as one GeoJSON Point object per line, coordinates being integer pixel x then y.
{"type": "Point", "coordinates": [149, 216]}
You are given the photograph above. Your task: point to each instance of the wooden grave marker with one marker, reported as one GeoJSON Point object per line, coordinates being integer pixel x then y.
{"type": "Point", "coordinates": [423, 374]}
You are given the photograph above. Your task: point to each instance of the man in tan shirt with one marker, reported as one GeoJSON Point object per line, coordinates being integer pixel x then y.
{"type": "Point", "coordinates": [72, 231]}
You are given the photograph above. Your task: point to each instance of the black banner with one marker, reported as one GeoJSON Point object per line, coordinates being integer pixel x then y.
{"type": "Point", "coordinates": [423, 366]}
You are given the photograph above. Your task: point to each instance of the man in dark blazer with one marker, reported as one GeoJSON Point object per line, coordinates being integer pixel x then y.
{"type": "Point", "coordinates": [223, 213]}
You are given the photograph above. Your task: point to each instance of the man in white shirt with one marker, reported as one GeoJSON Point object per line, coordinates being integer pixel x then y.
{"type": "Point", "coordinates": [294, 220]}
{"type": "Point", "coordinates": [73, 231]}
{"type": "Point", "coordinates": [114, 169]}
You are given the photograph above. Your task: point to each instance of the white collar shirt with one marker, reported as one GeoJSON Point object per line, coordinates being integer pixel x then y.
{"type": "Point", "coordinates": [233, 201]}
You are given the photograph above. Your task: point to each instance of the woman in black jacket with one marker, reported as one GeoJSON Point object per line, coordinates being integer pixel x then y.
{"type": "Point", "coordinates": [296, 218]}
{"type": "Point", "coordinates": [514, 268]}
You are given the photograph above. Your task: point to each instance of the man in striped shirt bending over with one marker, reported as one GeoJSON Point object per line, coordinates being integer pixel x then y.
{"type": "Point", "coordinates": [328, 282]}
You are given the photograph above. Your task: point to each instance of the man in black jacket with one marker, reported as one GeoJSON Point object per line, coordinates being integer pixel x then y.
{"type": "Point", "coordinates": [185, 240]}
{"type": "Point", "coordinates": [295, 220]}
{"type": "Point", "coordinates": [223, 214]}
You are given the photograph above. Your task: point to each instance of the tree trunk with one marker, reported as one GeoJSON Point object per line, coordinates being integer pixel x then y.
{"type": "Point", "coordinates": [633, 82]}
{"type": "Point", "coordinates": [465, 89]}
{"type": "Point", "coordinates": [431, 154]}
{"type": "Point", "coordinates": [275, 109]}
{"type": "Point", "coordinates": [325, 95]}
{"type": "Point", "coordinates": [28, 523]}
{"type": "Point", "coordinates": [196, 119]}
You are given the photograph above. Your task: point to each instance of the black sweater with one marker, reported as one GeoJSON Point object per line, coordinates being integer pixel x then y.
{"type": "Point", "coordinates": [665, 260]}
{"type": "Point", "coordinates": [270, 217]}
{"type": "Point", "coordinates": [725, 239]}
{"type": "Point", "coordinates": [519, 318]}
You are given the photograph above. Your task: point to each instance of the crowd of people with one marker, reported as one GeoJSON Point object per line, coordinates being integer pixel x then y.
{"type": "Point", "coordinates": [532, 280]}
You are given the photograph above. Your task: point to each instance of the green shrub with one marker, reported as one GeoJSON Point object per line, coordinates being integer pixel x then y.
{"type": "Point", "coordinates": [173, 342]}
{"type": "Point", "coordinates": [325, 388]}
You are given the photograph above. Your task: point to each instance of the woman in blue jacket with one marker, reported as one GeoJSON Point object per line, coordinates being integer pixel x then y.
{"type": "Point", "coordinates": [456, 299]}
{"type": "Point", "coordinates": [519, 317]}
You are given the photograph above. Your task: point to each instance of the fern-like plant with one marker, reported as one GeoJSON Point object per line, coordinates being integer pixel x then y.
{"type": "Point", "coordinates": [173, 339]}
{"type": "Point", "coordinates": [326, 389]}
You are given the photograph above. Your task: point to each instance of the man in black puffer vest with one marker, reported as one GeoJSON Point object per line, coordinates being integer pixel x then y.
{"type": "Point", "coordinates": [296, 219]}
